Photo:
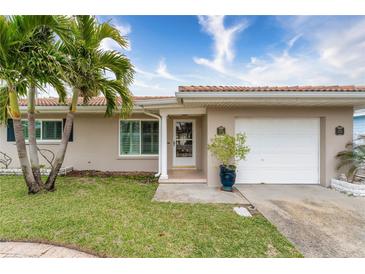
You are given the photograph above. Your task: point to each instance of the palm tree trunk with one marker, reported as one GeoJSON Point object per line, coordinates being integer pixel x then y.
{"type": "Point", "coordinates": [33, 148]}
{"type": "Point", "coordinates": [58, 161]}
{"type": "Point", "coordinates": [20, 143]}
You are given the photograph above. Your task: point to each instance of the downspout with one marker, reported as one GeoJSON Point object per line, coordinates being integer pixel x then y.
{"type": "Point", "coordinates": [159, 138]}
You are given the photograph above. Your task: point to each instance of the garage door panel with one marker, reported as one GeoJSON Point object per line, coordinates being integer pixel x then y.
{"type": "Point", "coordinates": [257, 150]}
{"type": "Point", "coordinates": [281, 159]}
{"type": "Point", "coordinates": [283, 151]}
{"type": "Point", "coordinates": [259, 142]}
{"type": "Point", "coordinates": [276, 176]}
{"type": "Point", "coordinates": [284, 161]}
{"type": "Point", "coordinates": [260, 126]}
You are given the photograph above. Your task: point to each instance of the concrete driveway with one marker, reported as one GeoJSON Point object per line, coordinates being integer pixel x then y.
{"type": "Point", "coordinates": [320, 222]}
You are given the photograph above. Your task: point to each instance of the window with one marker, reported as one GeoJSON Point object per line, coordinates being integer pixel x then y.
{"type": "Point", "coordinates": [138, 137]}
{"type": "Point", "coordinates": [129, 138]}
{"type": "Point", "coordinates": [49, 130]}
{"type": "Point", "coordinates": [149, 144]}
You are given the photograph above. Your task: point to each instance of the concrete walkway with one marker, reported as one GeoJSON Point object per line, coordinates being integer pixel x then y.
{"type": "Point", "coordinates": [196, 193]}
{"type": "Point", "coordinates": [320, 222]}
{"type": "Point", "coordinates": [35, 250]}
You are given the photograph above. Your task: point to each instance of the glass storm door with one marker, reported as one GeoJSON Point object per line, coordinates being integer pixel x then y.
{"type": "Point", "coordinates": [184, 143]}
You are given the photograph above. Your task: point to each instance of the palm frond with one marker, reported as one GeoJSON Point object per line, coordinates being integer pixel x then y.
{"type": "Point", "coordinates": [117, 63]}
{"type": "Point", "coordinates": [127, 101]}
{"type": "Point", "coordinates": [4, 39]}
{"type": "Point", "coordinates": [4, 101]}
{"type": "Point", "coordinates": [106, 30]}
{"type": "Point", "coordinates": [25, 25]}
{"type": "Point", "coordinates": [59, 87]}
{"type": "Point", "coordinates": [87, 64]}
{"type": "Point", "coordinates": [85, 28]}
{"type": "Point", "coordinates": [111, 100]}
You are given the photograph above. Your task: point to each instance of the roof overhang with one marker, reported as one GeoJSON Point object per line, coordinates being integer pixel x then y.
{"type": "Point", "coordinates": [80, 109]}
{"type": "Point", "coordinates": [65, 109]}
{"type": "Point", "coordinates": [159, 103]}
{"type": "Point", "coordinates": [355, 99]}
{"type": "Point", "coordinates": [139, 106]}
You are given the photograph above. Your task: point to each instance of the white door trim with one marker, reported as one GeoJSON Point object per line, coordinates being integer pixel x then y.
{"type": "Point", "coordinates": [175, 163]}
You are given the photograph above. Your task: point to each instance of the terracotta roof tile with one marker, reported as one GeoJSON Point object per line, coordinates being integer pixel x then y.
{"type": "Point", "coordinates": [95, 101]}
{"type": "Point", "coordinates": [270, 89]}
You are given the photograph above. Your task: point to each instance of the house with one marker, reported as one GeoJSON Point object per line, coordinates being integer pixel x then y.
{"type": "Point", "coordinates": [294, 133]}
{"type": "Point", "coordinates": [359, 123]}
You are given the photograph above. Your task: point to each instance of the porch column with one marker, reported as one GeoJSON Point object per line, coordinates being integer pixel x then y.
{"type": "Point", "coordinates": [163, 175]}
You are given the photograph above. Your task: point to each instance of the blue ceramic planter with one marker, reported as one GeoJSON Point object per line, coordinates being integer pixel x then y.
{"type": "Point", "coordinates": [228, 177]}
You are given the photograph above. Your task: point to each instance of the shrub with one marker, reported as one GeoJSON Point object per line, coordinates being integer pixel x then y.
{"type": "Point", "coordinates": [353, 158]}
{"type": "Point", "coordinates": [229, 149]}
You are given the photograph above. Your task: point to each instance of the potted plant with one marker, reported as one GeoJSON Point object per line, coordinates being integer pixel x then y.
{"type": "Point", "coordinates": [228, 150]}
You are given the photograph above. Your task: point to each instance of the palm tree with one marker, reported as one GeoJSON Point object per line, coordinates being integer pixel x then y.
{"type": "Point", "coordinates": [41, 64]}
{"type": "Point", "coordinates": [16, 35]}
{"type": "Point", "coordinates": [353, 158]}
{"type": "Point", "coordinates": [86, 75]}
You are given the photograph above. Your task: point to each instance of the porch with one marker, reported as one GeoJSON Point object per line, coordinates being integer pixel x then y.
{"type": "Point", "coordinates": [187, 176]}
{"type": "Point", "coordinates": [183, 157]}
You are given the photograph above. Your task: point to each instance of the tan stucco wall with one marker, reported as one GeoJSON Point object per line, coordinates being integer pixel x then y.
{"type": "Point", "coordinates": [330, 143]}
{"type": "Point", "coordinates": [95, 145]}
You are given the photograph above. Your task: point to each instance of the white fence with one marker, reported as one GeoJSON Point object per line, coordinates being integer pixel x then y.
{"type": "Point", "coordinates": [44, 171]}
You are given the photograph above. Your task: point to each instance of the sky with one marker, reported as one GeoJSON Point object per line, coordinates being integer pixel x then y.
{"type": "Point", "coordinates": [168, 51]}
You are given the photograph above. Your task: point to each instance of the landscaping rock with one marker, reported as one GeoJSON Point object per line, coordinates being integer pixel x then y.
{"type": "Point", "coordinates": [351, 189]}
{"type": "Point", "coordinates": [242, 211]}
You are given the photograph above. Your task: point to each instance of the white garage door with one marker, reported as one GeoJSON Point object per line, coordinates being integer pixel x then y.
{"type": "Point", "coordinates": [283, 151]}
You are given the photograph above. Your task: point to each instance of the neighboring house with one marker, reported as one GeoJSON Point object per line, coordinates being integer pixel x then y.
{"type": "Point", "coordinates": [294, 133]}
{"type": "Point", "coordinates": [359, 123]}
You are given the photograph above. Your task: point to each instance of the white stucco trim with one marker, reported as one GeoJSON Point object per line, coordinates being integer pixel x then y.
{"type": "Point", "coordinates": [183, 111]}
{"type": "Point", "coordinates": [151, 102]}
{"type": "Point", "coordinates": [159, 139]}
{"type": "Point", "coordinates": [46, 141]}
{"type": "Point", "coordinates": [163, 151]}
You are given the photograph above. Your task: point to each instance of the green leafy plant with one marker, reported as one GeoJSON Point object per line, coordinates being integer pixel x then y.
{"type": "Point", "coordinates": [229, 149]}
{"type": "Point", "coordinates": [353, 158]}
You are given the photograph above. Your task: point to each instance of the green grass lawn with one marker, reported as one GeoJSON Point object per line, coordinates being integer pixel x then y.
{"type": "Point", "coordinates": [115, 217]}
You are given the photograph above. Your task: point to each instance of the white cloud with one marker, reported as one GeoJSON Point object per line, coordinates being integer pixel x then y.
{"type": "Point", "coordinates": [284, 69]}
{"type": "Point", "coordinates": [144, 73]}
{"type": "Point", "coordinates": [163, 72]}
{"type": "Point", "coordinates": [159, 81]}
{"type": "Point", "coordinates": [223, 40]}
{"type": "Point", "coordinates": [142, 84]}
{"type": "Point", "coordinates": [344, 48]}
{"type": "Point", "coordinates": [109, 44]}
{"type": "Point", "coordinates": [160, 72]}
{"type": "Point", "coordinates": [334, 54]}
{"type": "Point", "coordinates": [292, 41]}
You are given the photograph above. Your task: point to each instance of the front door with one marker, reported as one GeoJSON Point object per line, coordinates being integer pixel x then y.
{"type": "Point", "coordinates": [184, 144]}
